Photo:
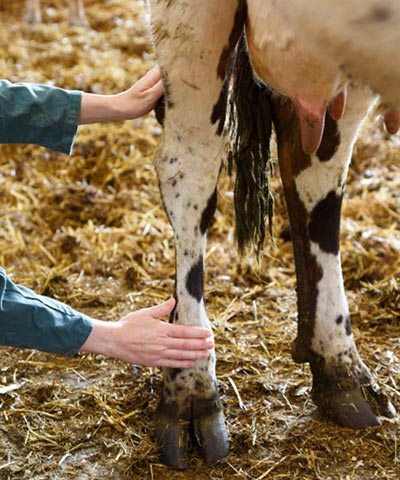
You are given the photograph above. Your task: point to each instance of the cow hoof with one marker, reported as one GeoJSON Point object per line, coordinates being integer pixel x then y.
{"type": "Point", "coordinates": [212, 437]}
{"type": "Point", "coordinates": [357, 407]}
{"type": "Point", "coordinates": [201, 421]}
{"type": "Point", "coordinates": [173, 439]}
{"type": "Point", "coordinates": [350, 409]}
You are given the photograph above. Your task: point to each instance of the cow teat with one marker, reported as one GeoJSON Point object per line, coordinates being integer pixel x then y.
{"type": "Point", "coordinates": [312, 120]}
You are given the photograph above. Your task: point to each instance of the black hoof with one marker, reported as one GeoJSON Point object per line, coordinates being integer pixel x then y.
{"type": "Point", "coordinates": [173, 439]}
{"type": "Point", "coordinates": [201, 418]}
{"type": "Point", "coordinates": [349, 408]}
{"type": "Point", "coordinates": [357, 407]}
{"type": "Point", "coordinates": [212, 437]}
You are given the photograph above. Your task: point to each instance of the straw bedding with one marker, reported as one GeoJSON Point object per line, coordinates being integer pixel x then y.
{"type": "Point", "coordinates": [90, 230]}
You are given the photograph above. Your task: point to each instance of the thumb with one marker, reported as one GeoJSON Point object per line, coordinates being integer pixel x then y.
{"type": "Point", "coordinates": [159, 311]}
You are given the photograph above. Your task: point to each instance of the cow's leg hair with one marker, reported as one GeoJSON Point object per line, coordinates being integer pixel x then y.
{"type": "Point", "coordinates": [314, 189]}
{"type": "Point", "coordinates": [32, 11]}
{"type": "Point", "coordinates": [193, 41]}
{"type": "Point", "coordinates": [77, 15]}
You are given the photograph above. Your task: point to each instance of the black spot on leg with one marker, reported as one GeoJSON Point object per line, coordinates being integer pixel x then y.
{"type": "Point", "coordinates": [195, 280]}
{"type": "Point", "coordinates": [159, 110]}
{"type": "Point", "coordinates": [339, 320]}
{"type": "Point", "coordinates": [347, 326]}
{"type": "Point", "coordinates": [174, 372]}
{"type": "Point", "coordinates": [178, 389]}
{"type": "Point", "coordinates": [199, 386]}
{"type": "Point", "coordinates": [381, 13]}
{"type": "Point", "coordinates": [168, 392]}
{"type": "Point", "coordinates": [208, 212]}
{"type": "Point", "coordinates": [330, 140]}
{"type": "Point", "coordinates": [325, 223]}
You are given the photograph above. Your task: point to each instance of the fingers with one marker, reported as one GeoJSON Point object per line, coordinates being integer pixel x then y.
{"type": "Point", "coordinates": [157, 89]}
{"type": "Point", "coordinates": [181, 359]}
{"type": "Point", "coordinates": [186, 331]}
{"type": "Point", "coordinates": [185, 345]}
{"type": "Point", "coordinates": [186, 355]}
{"type": "Point", "coordinates": [152, 77]}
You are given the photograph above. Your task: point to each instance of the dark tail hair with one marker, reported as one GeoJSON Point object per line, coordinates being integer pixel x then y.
{"type": "Point", "coordinates": [250, 125]}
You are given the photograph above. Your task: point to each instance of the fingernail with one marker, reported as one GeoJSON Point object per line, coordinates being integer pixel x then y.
{"type": "Point", "coordinates": [210, 342]}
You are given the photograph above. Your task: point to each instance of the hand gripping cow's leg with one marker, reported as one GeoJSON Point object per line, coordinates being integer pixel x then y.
{"type": "Point", "coordinates": [193, 42]}
{"type": "Point", "coordinates": [342, 384]}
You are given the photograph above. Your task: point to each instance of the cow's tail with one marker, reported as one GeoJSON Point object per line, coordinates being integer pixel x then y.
{"type": "Point", "coordinates": [250, 125]}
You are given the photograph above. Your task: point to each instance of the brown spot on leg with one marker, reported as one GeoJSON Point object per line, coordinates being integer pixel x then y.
{"type": "Point", "coordinates": [208, 212]}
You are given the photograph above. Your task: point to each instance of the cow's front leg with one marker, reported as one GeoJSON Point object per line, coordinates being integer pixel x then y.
{"type": "Point", "coordinates": [314, 188]}
{"type": "Point", "coordinates": [190, 396]}
{"type": "Point", "coordinates": [193, 42]}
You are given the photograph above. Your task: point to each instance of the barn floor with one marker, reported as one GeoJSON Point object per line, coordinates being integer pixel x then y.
{"type": "Point", "coordinates": [90, 230]}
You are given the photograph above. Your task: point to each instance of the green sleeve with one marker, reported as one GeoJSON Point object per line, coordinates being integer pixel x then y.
{"type": "Point", "coordinates": [29, 320]}
{"type": "Point", "coordinates": [39, 114]}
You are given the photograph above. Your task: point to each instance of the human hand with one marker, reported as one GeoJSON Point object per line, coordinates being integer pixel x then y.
{"type": "Point", "coordinates": [142, 97]}
{"type": "Point", "coordinates": [132, 103]}
{"type": "Point", "coordinates": [141, 338]}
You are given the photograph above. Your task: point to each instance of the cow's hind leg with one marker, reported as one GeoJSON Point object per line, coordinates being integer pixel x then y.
{"type": "Point", "coordinates": [193, 41]}
{"type": "Point", "coordinates": [314, 189]}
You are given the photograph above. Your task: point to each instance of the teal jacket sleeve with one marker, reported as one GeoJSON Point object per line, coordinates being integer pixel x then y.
{"type": "Point", "coordinates": [29, 320]}
{"type": "Point", "coordinates": [39, 114]}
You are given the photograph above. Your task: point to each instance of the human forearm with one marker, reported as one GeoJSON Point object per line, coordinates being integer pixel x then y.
{"type": "Point", "coordinates": [30, 320]}
{"type": "Point", "coordinates": [38, 114]}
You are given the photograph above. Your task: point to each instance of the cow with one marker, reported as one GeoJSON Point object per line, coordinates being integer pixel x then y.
{"type": "Point", "coordinates": [316, 110]}
{"type": "Point", "coordinates": [76, 12]}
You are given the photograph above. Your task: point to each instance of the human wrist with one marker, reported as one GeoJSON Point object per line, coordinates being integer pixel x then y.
{"type": "Point", "coordinates": [100, 108]}
{"type": "Point", "coordinates": [101, 339]}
